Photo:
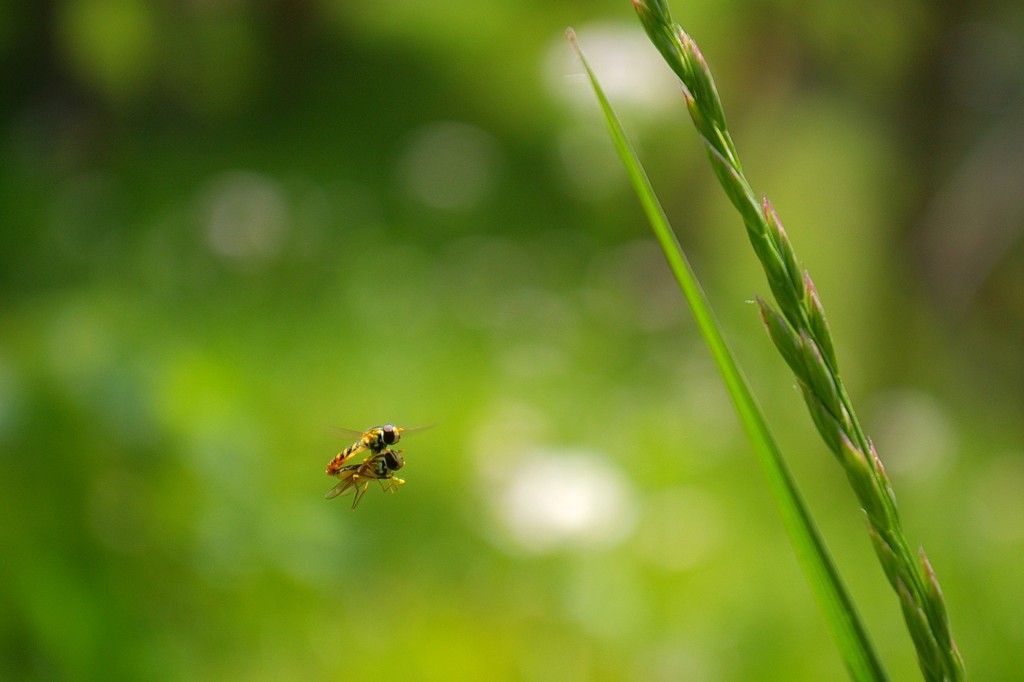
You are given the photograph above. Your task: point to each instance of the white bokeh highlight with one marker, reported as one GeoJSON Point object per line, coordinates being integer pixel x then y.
{"type": "Point", "coordinates": [557, 499]}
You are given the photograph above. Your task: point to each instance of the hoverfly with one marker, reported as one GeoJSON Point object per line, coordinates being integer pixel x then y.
{"type": "Point", "coordinates": [380, 466]}
{"type": "Point", "coordinates": [375, 441]}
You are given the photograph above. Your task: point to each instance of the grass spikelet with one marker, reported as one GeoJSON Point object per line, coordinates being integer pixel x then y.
{"type": "Point", "coordinates": [813, 359]}
{"type": "Point", "coordinates": [822, 576]}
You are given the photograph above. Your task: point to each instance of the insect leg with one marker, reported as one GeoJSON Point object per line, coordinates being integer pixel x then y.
{"type": "Point", "coordinates": [359, 494]}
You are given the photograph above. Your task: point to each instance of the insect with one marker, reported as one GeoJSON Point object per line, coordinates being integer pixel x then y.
{"type": "Point", "coordinates": [375, 441]}
{"type": "Point", "coordinates": [380, 466]}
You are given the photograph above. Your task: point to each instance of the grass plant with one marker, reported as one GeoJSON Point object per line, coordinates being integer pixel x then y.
{"type": "Point", "coordinates": [799, 329]}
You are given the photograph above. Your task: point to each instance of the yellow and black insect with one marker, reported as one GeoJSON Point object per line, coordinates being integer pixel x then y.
{"type": "Point", "coordinates": [374, 441]}
{"type": "Point", "coordinates": [380, 466]}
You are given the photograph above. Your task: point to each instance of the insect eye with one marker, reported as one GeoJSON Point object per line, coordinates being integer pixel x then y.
{"type": "Point", "coordinates": [388, 434]}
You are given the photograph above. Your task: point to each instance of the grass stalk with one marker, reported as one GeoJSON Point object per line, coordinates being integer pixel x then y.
{"type": "Point", "coordinates": [840, 614]}
{"type": "Point", "coordinates": [799, 329]}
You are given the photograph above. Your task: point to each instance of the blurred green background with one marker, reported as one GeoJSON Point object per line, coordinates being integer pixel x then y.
{"type": "Point", "coordinates": [230, 225]}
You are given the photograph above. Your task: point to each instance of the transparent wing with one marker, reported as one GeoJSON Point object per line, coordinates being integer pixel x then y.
{"type": "Point", "coordinates": [417, 428]}
{"type": "Point", "coordinates": [355, 434]}
{"type": "Point", "coordinates": [349, 479]}
{"type": "Point", "coordinates": [339, 489]}
{"type": "Point", "coordinates": [350, 434]}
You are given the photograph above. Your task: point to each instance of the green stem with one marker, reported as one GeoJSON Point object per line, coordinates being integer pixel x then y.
{"type": "Point", "coordinates": [812, 554]}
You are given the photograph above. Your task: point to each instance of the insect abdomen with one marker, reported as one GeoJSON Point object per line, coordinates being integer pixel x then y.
{"type": "Point", "coordinates": [334, 466]}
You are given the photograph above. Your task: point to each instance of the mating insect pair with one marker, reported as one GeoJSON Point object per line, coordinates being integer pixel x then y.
{"type": "Point", "coordinates": [380, 465]}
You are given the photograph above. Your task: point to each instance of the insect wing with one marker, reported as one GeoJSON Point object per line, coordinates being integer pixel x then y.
{"type": "Point", "coordinates": [349, 476]}
{"type": "Point", "coordinates": [372, 440]}
{"type": "Point", "coordinates": [416, 429]}
{"type": "Point", "coordinates": [340, 489]}
{"type": "Point", "coordinates": [354, 434]}
{"type": "Point", "coordinates": [350, 434]}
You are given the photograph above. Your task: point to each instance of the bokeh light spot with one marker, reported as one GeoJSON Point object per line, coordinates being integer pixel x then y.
{"type": "Point", "coordinates": [556, 499]}
{"type": "Point", "coordinates": [450, 165]}
{"type": "Point", "coordinates": [912, 433]}
{"type": "Point", "coordinates": [632, 74]}
{"type": "Point", "coordinates": [245, 216]}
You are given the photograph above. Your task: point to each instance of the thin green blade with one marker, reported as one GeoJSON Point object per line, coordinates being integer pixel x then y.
{"type": "Point", "coordinates": [842, 618]}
